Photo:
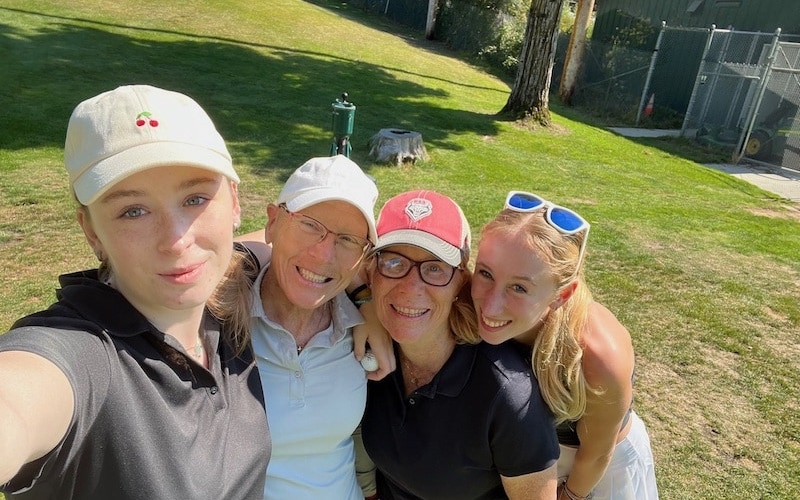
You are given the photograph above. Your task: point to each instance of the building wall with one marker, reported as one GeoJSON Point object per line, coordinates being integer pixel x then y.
{"type": "Point", "coordinates": [743, 15]}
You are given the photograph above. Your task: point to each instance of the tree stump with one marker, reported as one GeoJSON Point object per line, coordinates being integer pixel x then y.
{"type": "Point", "coordinates": [391, 145]}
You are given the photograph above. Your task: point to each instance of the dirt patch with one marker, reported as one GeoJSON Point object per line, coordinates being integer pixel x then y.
{"type": "Point", "coordinates": [792, 212]}
{"type": "Point", "coordinates": [553, 129]}
{"type": "Point", "coordinates": [720, 425]}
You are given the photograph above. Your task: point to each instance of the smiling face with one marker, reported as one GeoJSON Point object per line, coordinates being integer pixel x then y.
{"type": "Point", "coordinates": [167, 235]}
{"type": "Point", "coordinates": [512, 288]}
{"type": "Point", "coordinates": [410, 309]}
{"type": "Point", "coordinates": [310, 272]}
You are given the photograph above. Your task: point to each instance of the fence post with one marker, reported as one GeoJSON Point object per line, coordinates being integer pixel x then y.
{"type": "Point", "coordinates": [751, 118]}
{"type": "Point", "coordinates": [698, 80]}
{"type": "Point", "coordinates": [650, 71]}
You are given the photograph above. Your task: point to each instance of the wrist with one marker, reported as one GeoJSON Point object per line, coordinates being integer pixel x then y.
{"type": "Point", "coordinates": [361, 295]}
{"type": "Point", "coordinates": [564, 493]}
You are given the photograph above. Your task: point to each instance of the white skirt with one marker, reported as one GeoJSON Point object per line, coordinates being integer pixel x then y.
{"type": "Point", "coordinates": [631, 473]}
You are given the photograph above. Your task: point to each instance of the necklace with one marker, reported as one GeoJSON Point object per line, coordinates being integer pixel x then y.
{"type": "Point", "coordinates": [408, 370]}
{"type": "Point", "coordinates": [416, 380]}
{"type": "Point", "coordinates": [416, 375]}
{"type": "Point", "coordinates": [322, 322]}
{"type": "Point", "coordinates": [198, 349]}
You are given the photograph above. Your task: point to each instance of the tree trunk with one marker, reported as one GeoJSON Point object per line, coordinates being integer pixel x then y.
{"type": "Point", "coordinates": [529, 98]}
{"type": "Point", "coordinates": [430, 20]}
{"type": "Point", "coordinates": [577, 47]}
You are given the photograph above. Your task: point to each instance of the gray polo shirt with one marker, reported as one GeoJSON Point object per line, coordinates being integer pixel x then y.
{"type": "Point", "coordinates": [149, 422]}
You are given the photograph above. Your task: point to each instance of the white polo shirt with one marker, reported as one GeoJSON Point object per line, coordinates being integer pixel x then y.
{"type": "Point", "coordinates": [314, 402]}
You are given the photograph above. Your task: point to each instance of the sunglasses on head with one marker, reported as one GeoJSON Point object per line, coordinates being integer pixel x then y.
{"type": "Point", "coordinates": [564, 220]}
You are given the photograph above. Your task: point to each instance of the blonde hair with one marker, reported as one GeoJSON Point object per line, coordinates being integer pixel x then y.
{"type": "Point", "coordinates": [232, 300]}
{"type": "Point", "coordinates": [463, 319]}
{"type": "Point", "coordinates": [557, 352]}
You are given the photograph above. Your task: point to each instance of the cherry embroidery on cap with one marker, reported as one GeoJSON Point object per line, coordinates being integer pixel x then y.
{"type": "Point", "coordinates": [143, 119]}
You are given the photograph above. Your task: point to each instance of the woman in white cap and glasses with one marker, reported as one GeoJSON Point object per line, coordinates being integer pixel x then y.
{"type": "Point", "coordinates": [529, 287]}
{"type": "Point", "coordinates": [128, 387]}
{"type": "Point", "coordinates": [459, 418]}
{"type": "Point", "coordinates": [320, 229]}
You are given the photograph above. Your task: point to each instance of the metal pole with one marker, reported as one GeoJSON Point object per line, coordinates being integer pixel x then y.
{"type": "Point", "coordinates": [737, 155]}
{"type": "Point", "coordinates": [650, 71]}
{"type": "Point", "coordinates": [699, 80]}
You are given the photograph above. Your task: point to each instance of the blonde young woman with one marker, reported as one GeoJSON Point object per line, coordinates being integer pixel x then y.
{"type": "Point", "coordinates": [528, 287]}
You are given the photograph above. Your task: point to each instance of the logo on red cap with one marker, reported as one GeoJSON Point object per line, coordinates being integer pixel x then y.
{"type": "Point", "coordinates": [418, 208]}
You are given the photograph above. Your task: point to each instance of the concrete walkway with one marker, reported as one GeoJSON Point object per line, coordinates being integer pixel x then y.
{"type": "Point", "coordinates": [781, 181]}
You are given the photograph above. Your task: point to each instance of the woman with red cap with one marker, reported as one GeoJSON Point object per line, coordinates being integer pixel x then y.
{"type": "Point", "coordinates": [459, 418]}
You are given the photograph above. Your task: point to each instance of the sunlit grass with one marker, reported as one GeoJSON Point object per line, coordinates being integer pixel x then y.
{"type": "Point", "coordinates": [701, 267]}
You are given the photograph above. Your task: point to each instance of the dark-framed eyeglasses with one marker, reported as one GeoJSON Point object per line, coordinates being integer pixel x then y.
{"type": "Point", "coordinates": [564, 220]}
{"type": "Point", "coordinates": [395, 266]}
{"type": "Point", "coordinates": [315, 231]}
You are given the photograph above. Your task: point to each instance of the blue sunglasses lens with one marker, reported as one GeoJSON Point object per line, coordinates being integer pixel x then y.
{"type": "Point", "coordinates": [566, 220]}
{"type": "Point", "coordinates": [525, 201]}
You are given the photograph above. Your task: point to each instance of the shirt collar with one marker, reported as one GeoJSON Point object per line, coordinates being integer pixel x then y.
{"type": "Point", "coordinates": [83, 298]}
{"type": "Point", "coordinates": [453, 376]}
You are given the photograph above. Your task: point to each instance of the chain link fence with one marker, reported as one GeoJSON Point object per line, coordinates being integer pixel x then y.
{"type": "Point", "coordinates": [642, 75]}
{"type": "Point", "coordinates": [746, 96]}
{"type": "Point", "coordinates": [738, 90]}
{"type": "Point", "coordinates": [772, 129]}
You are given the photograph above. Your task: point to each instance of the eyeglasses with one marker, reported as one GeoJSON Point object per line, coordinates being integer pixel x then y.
{"type": "Point", "coordinates": [564, 220]}
{"type": "Point", "coordinates": [433, 272]}
{"type": "Point", "coordinates": [315, 231]}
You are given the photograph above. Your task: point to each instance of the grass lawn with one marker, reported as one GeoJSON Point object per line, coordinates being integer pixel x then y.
{"type": "Point", "coordinates": [703, 268]}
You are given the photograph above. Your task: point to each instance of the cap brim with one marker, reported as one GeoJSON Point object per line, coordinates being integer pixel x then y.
{"type": "Point", "coordinates": [442, 250]}
{"type": "Point", "coordinates": [98, 179]}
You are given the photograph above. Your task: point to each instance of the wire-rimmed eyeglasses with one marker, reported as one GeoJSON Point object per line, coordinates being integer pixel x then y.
{"type": "Point", "coordinates": [315, 231]}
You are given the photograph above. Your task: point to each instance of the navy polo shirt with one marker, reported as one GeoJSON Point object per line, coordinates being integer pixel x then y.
{"type": "Point", "coordinates": [481, 417]}
{"type": "Point", "coordinates": [149, 422]}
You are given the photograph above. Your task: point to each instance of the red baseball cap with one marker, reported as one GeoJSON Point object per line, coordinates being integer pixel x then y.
{"type": "Point", "coordinates": [428, 220]}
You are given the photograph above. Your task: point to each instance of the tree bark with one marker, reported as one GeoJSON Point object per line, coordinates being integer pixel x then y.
{"type": "Point", "coordinates": [529, 98]}
{"type": "Point", "coordinates": [575, 51]}
{"type": "Point", "coordinates": [430, 20]}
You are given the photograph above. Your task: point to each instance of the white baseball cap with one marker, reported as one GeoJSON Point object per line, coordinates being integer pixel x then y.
{"type": "Point", "coordinates": [136, 127]}
{"type": "Point", "coordinates": [428, 220]}
{"type": "Point", "coordinates": [332, 178]}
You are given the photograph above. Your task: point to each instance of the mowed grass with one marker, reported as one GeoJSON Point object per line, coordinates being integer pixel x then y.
{"type": "Point", "coordinates": [701, 267]}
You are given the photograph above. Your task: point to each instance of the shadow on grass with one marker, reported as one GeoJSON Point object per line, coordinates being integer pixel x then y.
{"type": "Point", "coordinates": [272, 104]}
{"type": "Point", "coordinates": [682, 147]}
{"type": "Point", "coordinates": [358, 11]}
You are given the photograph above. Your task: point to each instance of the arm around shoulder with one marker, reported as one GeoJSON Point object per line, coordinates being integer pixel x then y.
{"type": "Point", "coordinates": [36, 407]}
{"type": "Point", "coordinates": [255, 242]}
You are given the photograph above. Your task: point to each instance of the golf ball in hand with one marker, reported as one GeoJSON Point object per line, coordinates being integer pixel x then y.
{"type": "Point", "coordinates": [369, 362]}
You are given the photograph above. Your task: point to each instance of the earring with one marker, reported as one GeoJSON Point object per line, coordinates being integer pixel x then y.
{"type": "Point", "coordinates": [236, 226]}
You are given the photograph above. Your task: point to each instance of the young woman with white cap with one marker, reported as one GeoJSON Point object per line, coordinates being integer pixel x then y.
{"type": "Point", "coordinates": [127, 386]}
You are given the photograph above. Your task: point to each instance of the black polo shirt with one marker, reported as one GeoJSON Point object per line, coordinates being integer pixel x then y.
{"type": "Point", "coordinates": [149, 422]}
{"type": "Point", "coordinates": [481, 417]}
